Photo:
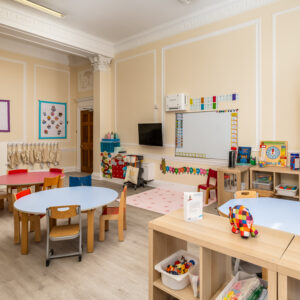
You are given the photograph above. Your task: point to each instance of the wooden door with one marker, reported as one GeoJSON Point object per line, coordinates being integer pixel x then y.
{"type": "Point", "coordinates": [86, 141]}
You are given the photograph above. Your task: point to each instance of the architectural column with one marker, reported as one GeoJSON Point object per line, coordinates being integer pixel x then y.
{"type": "Point", "coordinates": [102, 106]}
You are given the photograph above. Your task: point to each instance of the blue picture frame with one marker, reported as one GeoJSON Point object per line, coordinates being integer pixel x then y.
{"type": "Point", "coordinates": [53, 114]}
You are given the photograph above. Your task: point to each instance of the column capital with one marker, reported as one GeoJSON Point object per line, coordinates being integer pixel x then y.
{"type": "Point", "coordinates": [100, 62]}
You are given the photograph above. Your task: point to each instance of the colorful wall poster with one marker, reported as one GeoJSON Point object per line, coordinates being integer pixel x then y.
{"type": "Point", "coordinates": [52, 120]}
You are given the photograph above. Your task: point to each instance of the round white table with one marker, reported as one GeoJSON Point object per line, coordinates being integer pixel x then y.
{"type": "Point", "coordinates": [281, 214]}
{"type": "Point", "coordinates": [88, 197]}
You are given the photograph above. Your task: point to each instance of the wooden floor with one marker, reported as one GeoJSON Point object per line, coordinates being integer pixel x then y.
{"type": "Point", "coordinates": [114, 271]}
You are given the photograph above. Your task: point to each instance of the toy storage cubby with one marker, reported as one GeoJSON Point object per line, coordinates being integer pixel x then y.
{"type": "Point", "coordinates": [217, 245]}
{"type": "Point", "coordinates": [279, 175]}
{"type": "Point", "coordinates": [289, 272]}
{"type": "Point", "coordinates": [231, 180]}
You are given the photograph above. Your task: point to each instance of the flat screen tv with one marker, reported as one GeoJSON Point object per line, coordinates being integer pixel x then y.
{"type": "Point", "coordinates": [150, 134]}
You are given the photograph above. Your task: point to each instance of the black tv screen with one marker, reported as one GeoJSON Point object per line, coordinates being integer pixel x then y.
{"type": "Point", "coordinates": [150, 134]}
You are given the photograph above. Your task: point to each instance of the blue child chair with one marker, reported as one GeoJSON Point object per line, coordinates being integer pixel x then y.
{"type": "Point", "coordinates": [80, 181]}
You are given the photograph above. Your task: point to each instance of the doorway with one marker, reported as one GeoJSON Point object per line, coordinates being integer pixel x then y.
{"type": "Point", "coordinates": [86, 140]}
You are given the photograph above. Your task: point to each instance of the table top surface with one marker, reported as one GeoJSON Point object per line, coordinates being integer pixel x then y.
{"type": "Point", "coordinates": [88, 197]}
{"type": "Point", "coordinates": [214, 232]}
{"type": "Point", "coordinates": [29, 178]}
{"type": "Point", "coordinates": [290, 264]}
{"type": "Point", "coordinates": [273, 213]}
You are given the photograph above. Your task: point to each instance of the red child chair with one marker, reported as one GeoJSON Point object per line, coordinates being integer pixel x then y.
{"type": "Point", "coordinates": [208, 187]}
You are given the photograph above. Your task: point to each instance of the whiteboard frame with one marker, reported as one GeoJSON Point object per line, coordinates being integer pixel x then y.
{"type": "Point", "coordinates": [201, 111]}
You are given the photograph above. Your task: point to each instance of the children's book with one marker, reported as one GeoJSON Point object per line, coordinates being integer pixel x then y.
{"type": "Point", "coordinates": [193, 206]}
{"type": "Point", "coordinates": [244, 155]}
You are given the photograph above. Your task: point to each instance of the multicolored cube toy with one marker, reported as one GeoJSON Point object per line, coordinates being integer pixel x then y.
{"type": "Point", "coordinates": [242, 221]}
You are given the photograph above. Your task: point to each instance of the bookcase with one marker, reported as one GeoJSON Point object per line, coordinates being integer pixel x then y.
{"type": "Point", "coordinates": [280, 175]}
{"type": "Point", "coordinates": [217, 245]}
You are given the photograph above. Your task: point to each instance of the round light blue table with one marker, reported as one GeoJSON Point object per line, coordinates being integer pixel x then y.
{"type": "Point", "coordinates": [88, 197]}
{"type": "Point", "coordinates": [274, 213]}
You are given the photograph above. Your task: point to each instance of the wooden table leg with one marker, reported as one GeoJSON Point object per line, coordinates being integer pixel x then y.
{"type": "Point", "coordinates": [16, 227]}
{"type": "Point", "coordinates": [90, 231]}
{"type": "Point", "coordinates": [24, 238]}
{"type": "Point", "coordinates": [37, 228]}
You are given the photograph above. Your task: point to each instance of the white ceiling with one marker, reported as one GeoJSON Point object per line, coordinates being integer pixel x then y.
{"type": "Point", "coordinates": [116, 20]}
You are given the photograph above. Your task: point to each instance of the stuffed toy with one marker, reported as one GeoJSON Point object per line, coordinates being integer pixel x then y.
{"type": "Point", "coordinates": [241, 221]}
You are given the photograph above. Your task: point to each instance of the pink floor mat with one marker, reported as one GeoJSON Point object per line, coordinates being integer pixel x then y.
{"type": "Point", "coordinates": [159, 200]}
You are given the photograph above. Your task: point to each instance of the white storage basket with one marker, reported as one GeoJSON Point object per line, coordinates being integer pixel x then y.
{"type": "Point", "coordinates": [175, 282]}
{"type": "Point", "coordinates": [283, 192]}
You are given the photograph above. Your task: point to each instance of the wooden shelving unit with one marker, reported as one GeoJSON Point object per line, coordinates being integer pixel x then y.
{"type": "Point", "coordinates": [217, 245]}
{"type": "Point", "coordinates": [289, 272]}
{"type": "Point", "coordinates": [279, 175]}
{"type": "Point", "coordinates": [242, 175]}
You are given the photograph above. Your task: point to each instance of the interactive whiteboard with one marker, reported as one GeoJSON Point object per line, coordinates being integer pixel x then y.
{"type": "Point", "coordinates": [206, 134]}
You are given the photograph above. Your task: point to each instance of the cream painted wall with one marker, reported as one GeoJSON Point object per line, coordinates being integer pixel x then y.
{"type": "Point", "coordinates": [24, 81]}
{"type": "Point", "coordinates": [235, 54]}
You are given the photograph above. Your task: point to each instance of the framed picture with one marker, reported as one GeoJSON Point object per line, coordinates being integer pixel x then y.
{"type": "Point", "coordinates": [4, 116]}
{"type": "Point", "coordinates": [52, 120]}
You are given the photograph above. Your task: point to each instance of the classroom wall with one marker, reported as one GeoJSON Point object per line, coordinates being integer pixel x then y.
{"type": "Point", "coordinates": [255, 54]}
{"type": "Point", "coordinates": [24, 80]}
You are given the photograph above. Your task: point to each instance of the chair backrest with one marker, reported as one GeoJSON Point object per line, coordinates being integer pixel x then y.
{"type": "Point", "coordinates": [212, 174]}
{"type": "Point", "coordinates": [56, 170]}
{"type": "Point", "coordinates": [50, 183]}
{"type": "Point", "coordinates": [80, 181]}
{"type": "Point", "coordinates": [21, 194]}
{"type": "Point", "coordinates": [17, 171]}
{"type": "Point", "coordinates": [63, 212]}
{"type": "Point", "coordinates": [245, 194]}
{"type": "Point", "coordinates": [122, 206]}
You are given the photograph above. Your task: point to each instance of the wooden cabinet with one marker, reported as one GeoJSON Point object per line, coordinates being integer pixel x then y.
{"type": "Point", "coordinates": [217, 245]}
{"type": "Point", "coordinates": [289, 272]}
{"type": "Point", "coordinates": [230, 180]}
{"type": "Point", "coordinates": [279, 175]}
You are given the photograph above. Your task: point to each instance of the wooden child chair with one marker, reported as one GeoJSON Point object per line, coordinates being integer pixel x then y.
{"type": "Point", "coordinates": [114, 213]}
{"type": "Point", "coordinates": [212, 175]}
{"type": "Point", "coordinates": [245, 194]}
{"type": "Point", "coordinates": [9, 190]}
{"type": "Point", "coordinates": [34, 219]}
{"type": "Point", "coordinates": [51, 183]}
{"type": "Point", "coordinates": [63, 232]}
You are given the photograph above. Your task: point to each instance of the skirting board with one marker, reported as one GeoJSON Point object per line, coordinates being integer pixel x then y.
{"type": "Point", "coordinates": [155, 184]}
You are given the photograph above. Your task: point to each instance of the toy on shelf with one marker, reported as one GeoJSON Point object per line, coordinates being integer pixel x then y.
{"type": "Point", "coordinates": [253, 161]}
{"type": "Point", "coordinates": [241, 221]}
{"type": "Point", "coordinates": [180, 267]}
{"type": "Point", "coordinates": [295, 161]}
{"type": "Point", "coordinates": [273, 153]}
{"type": "Point", "coordinates": [106, 167]}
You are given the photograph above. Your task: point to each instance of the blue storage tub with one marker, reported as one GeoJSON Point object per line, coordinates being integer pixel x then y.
{"type": "Point", "coordinates": [109, 145]}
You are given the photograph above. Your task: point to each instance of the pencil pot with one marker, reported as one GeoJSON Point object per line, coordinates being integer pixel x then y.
{"type": "Point", "coordinates": [231, 161]}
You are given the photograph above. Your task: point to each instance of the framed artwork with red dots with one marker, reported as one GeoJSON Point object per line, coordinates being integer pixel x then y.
{"type": "Point", "coordinates": [52, 120]}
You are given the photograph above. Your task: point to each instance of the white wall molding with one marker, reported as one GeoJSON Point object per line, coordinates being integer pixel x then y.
{"type": "Point", "coordinates": [274, 64]}
{"type": "Point", "coordinates": [24, 48]}
{"type": "Point", "coordinates": [35, 26]}
{"type": "Point", "coordinates": [257, 24]}
{"type": "Point", "coordinates": [24, 64]}
{"type": "Point", "coordinates": [35, 99]}
{"type": "Point", "coordinates": [82, 104]}
{"type": "Point", "coordinates": [154, 84]}
{"type": "Point", "coordinates": [200, 18]}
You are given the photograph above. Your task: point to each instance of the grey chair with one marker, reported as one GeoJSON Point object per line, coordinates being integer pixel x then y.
{"type": "Point", "coordinates": [63, 232]}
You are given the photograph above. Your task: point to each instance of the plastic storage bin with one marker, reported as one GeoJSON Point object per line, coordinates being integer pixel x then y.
{"type": "Point", "coordinates": [175, 282]}
{"type": "Point", "coordinates": [285, 192]}
{"type": "Point", "coordinates": [262, 186]}
{"type": "Point", "coordinates": [108, 145]}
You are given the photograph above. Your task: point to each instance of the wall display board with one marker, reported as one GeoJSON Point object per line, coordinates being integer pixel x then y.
{"type": "Point", "coordinates": [206, 134]}
{"type": "Point", "coordinates": [52, 120]}
{"type": "Point", "coordinates": [4, 116]}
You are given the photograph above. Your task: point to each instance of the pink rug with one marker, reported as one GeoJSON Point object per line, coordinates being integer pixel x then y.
{"type": "Point", "coordinates": [159, 200]}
